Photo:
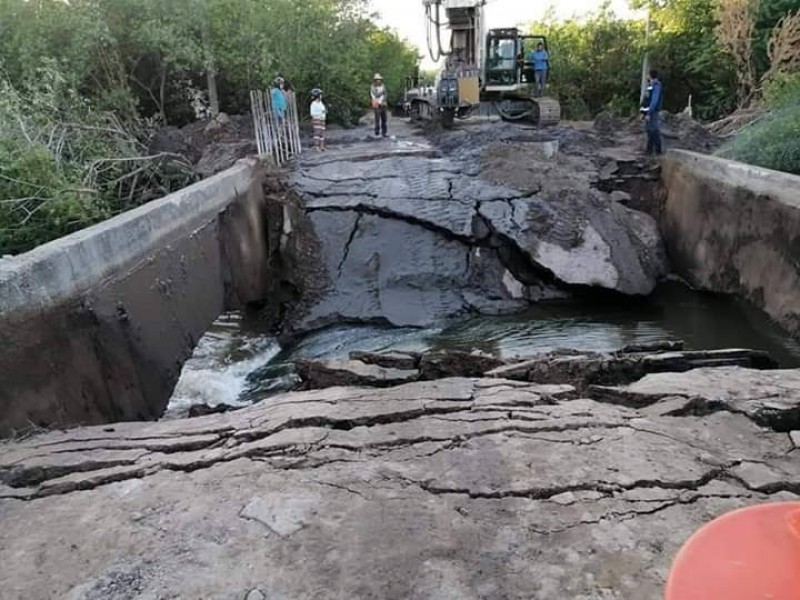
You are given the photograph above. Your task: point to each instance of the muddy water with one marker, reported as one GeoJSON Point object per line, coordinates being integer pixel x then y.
{"type": "Point", "coordinates": [237, 362]}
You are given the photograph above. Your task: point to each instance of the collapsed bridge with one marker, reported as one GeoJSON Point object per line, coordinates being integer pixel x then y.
{"type": "Point", "coordinates": [507, 480]}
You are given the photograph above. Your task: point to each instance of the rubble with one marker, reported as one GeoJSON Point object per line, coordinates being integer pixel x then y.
{"type": "Point", "coordinates": [583, 370]}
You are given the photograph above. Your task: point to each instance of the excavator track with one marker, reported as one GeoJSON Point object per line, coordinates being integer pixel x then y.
{"type": "Point", "coordinates": [549, 111]}
{"type": "Point", "coordinates": [540, 111]}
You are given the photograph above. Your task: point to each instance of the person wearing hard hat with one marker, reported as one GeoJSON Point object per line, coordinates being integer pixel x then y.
{"type": "Point", "coordinates": [378, 97]}
{"type": "Point", "coordinates": [319, 115]}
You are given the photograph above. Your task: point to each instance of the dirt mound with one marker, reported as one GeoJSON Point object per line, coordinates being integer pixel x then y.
{"type": "Point", "coordinates": [522, 166]}
{"type": "Point", "coordinates": [608, 124]}
{"type": "Point", "coordinates": [211, 145]}
{"type": "Point", "coordinates": [684, 132]}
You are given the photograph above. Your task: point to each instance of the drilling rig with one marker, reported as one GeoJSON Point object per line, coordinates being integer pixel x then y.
{"type": "Point", "coordinates": [482, 69]}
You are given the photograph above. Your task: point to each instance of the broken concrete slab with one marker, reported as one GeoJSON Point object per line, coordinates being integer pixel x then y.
{"type": "Point", "coordinates": [317, 374]}
{"type": "Point", "coordinates": [392, 360]}
{"type": "Point", "coordinates": [597, 369]}
{"type": "Point", "coordinates": [771, 397]}
{"type": "Point", "coordinates": [452, 363]}
{"type": "Point", "coordinates": [309, 492]}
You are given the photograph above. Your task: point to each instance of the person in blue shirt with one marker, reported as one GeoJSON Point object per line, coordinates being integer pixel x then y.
{"type": "Point", "coordinates": [651, 114]}
{"type": "Point", "coordinates": [278, 97]}
{"type": "Point", "coordinates": [540, 58]}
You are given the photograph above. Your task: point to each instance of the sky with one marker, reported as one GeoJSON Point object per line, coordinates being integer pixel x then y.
{"type": "Point", "coordinates": [407, 17]}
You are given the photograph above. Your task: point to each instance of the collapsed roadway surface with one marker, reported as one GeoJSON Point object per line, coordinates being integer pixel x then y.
{"type": "Point", "coordinates": [465, 485]}
{"type": "Point", "coordinates": [408, 232]}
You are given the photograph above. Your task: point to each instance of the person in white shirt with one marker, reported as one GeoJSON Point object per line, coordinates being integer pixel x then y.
{"type": "Point", "coordinates": [378, 96]}
{"type": "Point", "coordinates": [319, 114]}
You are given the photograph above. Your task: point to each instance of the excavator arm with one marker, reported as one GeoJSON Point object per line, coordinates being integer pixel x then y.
{"type": "Point", "coordinates": [464, 19]}
{"type": "Point", "coordinates": [481, 67]}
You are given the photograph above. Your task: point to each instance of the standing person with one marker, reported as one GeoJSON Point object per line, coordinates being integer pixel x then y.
{"type": "Point", "coordinates": [378, 97]}
{"type": "Point", "coordinates": [541, 67]}
{"type": "Point", "coordinates": [651, 114]}
{"type": "Point", "coordinates": [278, 97]}
{"type": "Point", "coordinates": [279, 107]}
{"type": "Point", "coordinates": [319, 115]}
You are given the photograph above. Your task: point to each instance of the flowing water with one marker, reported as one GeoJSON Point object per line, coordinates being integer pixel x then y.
{"type": "Point", "coordinates": [237, 363]}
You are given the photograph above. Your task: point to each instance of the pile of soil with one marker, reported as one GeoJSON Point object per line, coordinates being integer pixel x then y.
{"type": "Point", "coordinates": [210, 145]}
{"type": "Point", "coordinates": [679, 131]}
{"type": "Point", "coordinates": [684, 132]}
{"type": "Point", "coordinates": [521, 166]}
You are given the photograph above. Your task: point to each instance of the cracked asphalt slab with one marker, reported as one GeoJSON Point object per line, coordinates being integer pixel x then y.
{"type": "Point", "coordinates": [409, 235]}
{"type": "Point", "coordinates": [456, 488]}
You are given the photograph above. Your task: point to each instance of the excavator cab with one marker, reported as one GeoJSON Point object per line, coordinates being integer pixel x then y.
{"type": "Point", "coordinates": [502, 51]}
{"type": "Point", "coordinates": [507, 63]}
{"type": "Point", "coordinates": [508, 78]}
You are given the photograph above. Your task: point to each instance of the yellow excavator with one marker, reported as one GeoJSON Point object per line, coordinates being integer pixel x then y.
{"type": "Point", "coordinates": [483, 70]}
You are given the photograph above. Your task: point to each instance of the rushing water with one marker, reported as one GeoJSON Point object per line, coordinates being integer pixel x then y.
{"type": "Point", "coordinates": [235, 363]}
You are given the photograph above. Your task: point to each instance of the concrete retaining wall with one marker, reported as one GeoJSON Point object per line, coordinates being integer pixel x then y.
{"type": "Point", "coordinates": [734, 228]}
{"type": "Point", "coordinates": [96, 326]}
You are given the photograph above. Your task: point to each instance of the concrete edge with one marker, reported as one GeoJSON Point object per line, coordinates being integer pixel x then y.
{"type": "Point", "coordinates": [784, 187]}
{"type": "Point", "coordinates": [60, 269]}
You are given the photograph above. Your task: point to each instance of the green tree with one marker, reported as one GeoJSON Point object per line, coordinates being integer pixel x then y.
{"type": "Point", "coordinates": [595, 63]}
{"type": "Point", "coordinates": [81, 80]}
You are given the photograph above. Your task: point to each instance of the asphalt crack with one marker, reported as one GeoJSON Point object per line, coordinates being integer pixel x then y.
{"type": "Point", "coordinates": [346, 253]}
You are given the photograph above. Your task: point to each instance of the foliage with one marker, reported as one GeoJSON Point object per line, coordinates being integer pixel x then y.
{"type": "Point", "coordinates": [595, 63]}
{"type": "Point", "coordinates": [773, 141]}
{"type": "Point", "coordinates": [84, 84]}
{"type": "Point", "coordinates": [148, 55]}
{"type": "Point", "coordinates": [735, 33]}
{"type": "Point", "coordinates": [782, 91]}
{"type": "Point", "coordinates": [64, 166]}
{"type": "Point", "coordinates": [783, 49]}
{"type": "Point", "coordinates": [694, 45]}
{"type": "Point", "coordinates": [693, 65]}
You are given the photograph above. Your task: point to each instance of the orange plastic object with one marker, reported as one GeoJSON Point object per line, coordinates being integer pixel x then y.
{"type": "Point", "coordinates": [749, 554]}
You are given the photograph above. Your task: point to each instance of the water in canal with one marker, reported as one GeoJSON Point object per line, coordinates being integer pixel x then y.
{"type": "Point", "coordinates": [236, 363]}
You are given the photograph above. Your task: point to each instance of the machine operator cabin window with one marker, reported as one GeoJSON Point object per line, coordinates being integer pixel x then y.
{"type": "Point", "coordinates": [502, 61]}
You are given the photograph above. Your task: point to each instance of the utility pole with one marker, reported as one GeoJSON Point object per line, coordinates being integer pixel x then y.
{"type": "Point", "coordinates": [646, 58]}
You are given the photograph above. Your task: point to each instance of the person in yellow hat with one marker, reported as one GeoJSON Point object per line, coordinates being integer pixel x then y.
{"type": "Point", "coordinates": [378, 97]}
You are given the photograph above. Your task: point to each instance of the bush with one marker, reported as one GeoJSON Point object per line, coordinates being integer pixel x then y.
{"type": "Point", "coordinates": [782, 91]}
{"type": "Point", "coordinates": [40, 199]}
{"type": "Point", "coordinates": [64, 166]}
{"type": "Point", "coordinates": [772, 142]}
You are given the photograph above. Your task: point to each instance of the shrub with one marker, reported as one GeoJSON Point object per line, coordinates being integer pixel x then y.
{"type": "Point", "coordinates": [64, 166]}
{"type": "Point", "coordinates": [39, 198]}
{"type": "Point", "coordinates": [782, 91]}
{"type": "Point", "coordinates": [772, 142]}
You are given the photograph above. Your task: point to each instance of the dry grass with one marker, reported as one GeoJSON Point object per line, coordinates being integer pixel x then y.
{"type": "Point", "coordinates": [735, 31]}
{"type": "Point", "coordinates": [784, 47]}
